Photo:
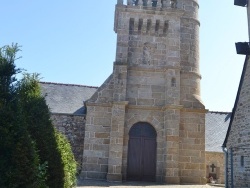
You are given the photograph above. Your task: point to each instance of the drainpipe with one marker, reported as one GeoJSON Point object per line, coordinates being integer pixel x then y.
{"type": "Point", "coordinates": [226, 165]}
{"type": "Point", "coordinates": [232, 168]}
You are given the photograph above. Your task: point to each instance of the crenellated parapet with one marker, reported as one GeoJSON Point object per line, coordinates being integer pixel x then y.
{"type": "Point", "coordinates": [190, 7]}
{"type": "Point", "coordinates": [150, 3]}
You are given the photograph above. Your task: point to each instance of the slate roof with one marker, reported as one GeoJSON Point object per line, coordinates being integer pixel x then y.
{"type": "Point", "coordinates": [66, 98]}
{"type": "Point", "coordinates": [216, 129]}
{"type": "Point", "coordinates": [69, 98]}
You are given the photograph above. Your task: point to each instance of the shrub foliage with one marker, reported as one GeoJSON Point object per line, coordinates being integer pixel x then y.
{"type": "Point", "coordinates": [32, 152]}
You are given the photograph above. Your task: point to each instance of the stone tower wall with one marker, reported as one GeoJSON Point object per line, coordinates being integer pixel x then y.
{"type": "Point", "coordinates": [192, 146]}
{"type": "Point", "coordinates": [190, 73]}
{"type": "Point", "coordinates": [192, 123]}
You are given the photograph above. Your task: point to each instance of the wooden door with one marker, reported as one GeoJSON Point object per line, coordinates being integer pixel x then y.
{"type": "Point", "coordinates": [142, 153]}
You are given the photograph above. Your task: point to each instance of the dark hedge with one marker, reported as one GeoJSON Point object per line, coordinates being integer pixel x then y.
{"type": "Point", "coordinates": [32, 153]}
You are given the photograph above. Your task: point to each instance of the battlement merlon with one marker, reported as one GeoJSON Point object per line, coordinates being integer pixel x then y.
{"type": "Point", "coordinates": [150, 3]}
{"type": "Point", "coordinates": [174, 4]}
{"type": "Point", "coordinates": [187, 8]}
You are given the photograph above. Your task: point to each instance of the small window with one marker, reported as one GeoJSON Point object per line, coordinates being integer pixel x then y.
{"type": "Point", "coordinates": [140, 25]}
{"type": "Point", "coordinates": [135, 2]}
{"type": "Point", "coordinates": [165, 27]}
{"type": "Point", "coordinates": [149, 23]}
{"type": "Point", "coordinates": [154, 3]}
{"type": "Point", "coordinates": [157, 25]}
{"type": "Point", "coordinates": [242, 161]}
{"type": "Point", "coordinates": [173, 82]}
{"type": "Point", "coordinates": [131, 25]}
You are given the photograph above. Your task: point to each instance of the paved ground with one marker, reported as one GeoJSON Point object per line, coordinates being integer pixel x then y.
{"type": "Point", "coordinates": [102, 184]}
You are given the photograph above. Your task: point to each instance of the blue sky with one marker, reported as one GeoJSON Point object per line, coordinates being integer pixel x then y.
{"type": "Point", "coordinates": [74, 42]}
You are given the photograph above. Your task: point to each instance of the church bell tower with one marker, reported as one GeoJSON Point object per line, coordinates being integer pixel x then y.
{"type": "Point", "coordinates": [147, 122]}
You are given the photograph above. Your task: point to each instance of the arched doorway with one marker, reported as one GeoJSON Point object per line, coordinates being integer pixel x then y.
{"type": "Point", "coordinates": [142, 153]}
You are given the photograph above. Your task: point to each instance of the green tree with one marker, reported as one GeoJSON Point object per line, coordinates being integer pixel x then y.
{"type": "Point", "coordinates": [19, 160]}
{"type": "Point", "coordinates": [53, 146]}
{"type": "Point", "coordinates": [32, 153]}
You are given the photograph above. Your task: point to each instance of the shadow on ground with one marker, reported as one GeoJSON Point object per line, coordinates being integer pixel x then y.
{"type": "Point", "coordinates": [125, 184]}
{"type": "Point", "coordinates": [108, 184]}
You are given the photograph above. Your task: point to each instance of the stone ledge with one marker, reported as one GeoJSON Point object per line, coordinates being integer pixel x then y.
{"type": "Point", "coordinates": [99, 104]}
{"type": "Point", "coordinates": [198, 110]}
{"type": "Point", "coordinates": [191, 72]}
{"type": "Point", "coordinates": [143, 69]}
{"type": "Point", "coordinates": [125, 103]}
{"type": "Point", "coordinates": [108, 104]}
{"type": "Point", "coordinates": [161, 108]}
{"type": "Point", "coordinates": [193, 19]}
{"type": "Point", "coordinates": [151, 10]}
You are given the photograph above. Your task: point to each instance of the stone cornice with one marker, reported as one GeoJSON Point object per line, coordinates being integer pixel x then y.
{"type": "Point", "coordinates": [193, 19]}
{"type": "Point", "coordinates": [124, 103]}
{"type": "Point", "coordinates": [99, 104]}
{"type": "Point", "coordinates": [110, 104]}
{"type": "Point", "coordinates": [151, 10]}
{"type": "Point", "coordinates": [175, 107]}
{"type": "Point", "coordinates": [194, 73]}
{"type": "Point", "coordinates": [144, 69]}
{"type": "Point", "coordinates": [196, 110]}
{"type": "Point", "coordinates": [144, 107]}
{"type": "Point", "coordinates": [159, 108]}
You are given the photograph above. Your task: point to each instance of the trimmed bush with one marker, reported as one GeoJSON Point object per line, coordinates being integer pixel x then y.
{"type": "Point", "coordinates": [68, 160]}
{"type": "Point", "coordinates": [19, 160]}
{"type": "Point", "coordinates": [53, 147]}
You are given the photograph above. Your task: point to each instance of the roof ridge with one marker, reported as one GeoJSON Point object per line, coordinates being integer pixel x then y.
{"type": "Point", "coordinates": [79, 85]}
{"type": "Point", "coordinates": [219, 112]}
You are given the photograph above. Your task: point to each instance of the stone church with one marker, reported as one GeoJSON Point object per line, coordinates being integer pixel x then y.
{"type": "Point", "coordinates": [146, 122]}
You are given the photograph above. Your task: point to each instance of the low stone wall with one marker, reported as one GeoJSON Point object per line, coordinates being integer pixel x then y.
{"type": "Point", "coordinates": [73, 127]}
